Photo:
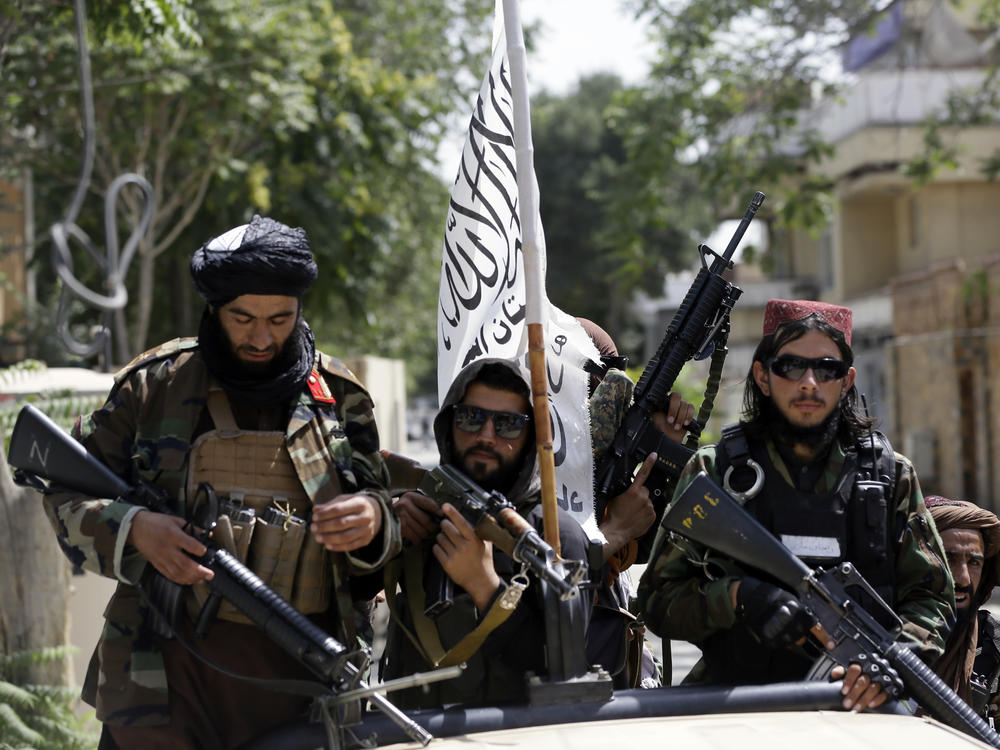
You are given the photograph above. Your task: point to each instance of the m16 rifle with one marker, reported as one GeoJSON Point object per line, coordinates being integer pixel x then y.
{"type": "Point", "coordinates": [848, 632]}
{"type": "Point", "coordinates": [699, 328]}
{"type": "Point", "coordinates": [41, 450]}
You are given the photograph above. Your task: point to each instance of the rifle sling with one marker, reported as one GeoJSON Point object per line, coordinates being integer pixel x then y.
{"type": "Point", "coordinates": [426, 639]}
{"type": "Point", "coordinates": [711, 388]}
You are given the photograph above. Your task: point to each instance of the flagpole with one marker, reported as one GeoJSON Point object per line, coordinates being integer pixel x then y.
{"type": "Point", "coordinates": [535, 300]}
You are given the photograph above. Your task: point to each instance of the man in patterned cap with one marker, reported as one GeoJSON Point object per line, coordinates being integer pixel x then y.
{"type": "Point", "coordinates": [971, 661]}
{"type": "Point", "coordinates": [806, 464]}
{"type": "Point", "coordinates": [286, 437]}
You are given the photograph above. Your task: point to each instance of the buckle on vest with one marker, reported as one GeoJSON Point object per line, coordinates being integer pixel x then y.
{"type": "Point", "coordinates": [742, 497]}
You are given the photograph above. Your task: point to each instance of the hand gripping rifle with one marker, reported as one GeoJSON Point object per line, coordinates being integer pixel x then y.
{"type": "Point", "coordinates": [699, 328]}
{"type": "Point", "coordinates": [495, 520]}
{"type": "Point", "coordinates": [40, 449]}
{"type": "Point", "coordinates": [706, 514]}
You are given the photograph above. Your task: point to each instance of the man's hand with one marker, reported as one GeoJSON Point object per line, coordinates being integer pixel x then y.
{"type": "Point", "coordinates": [466, 558]}
{"type": "Point", "coordinates": [161, 539]}
{"type": "Point", "coordinates": [772, 615]}
{"type": "Point", "coordinates": [859, 691]}
{"type": "Point", "coordinates": [418, 515]}
{"type": "Point", "coordinates": [348, 522]}
{"type": "Point", "coordinates": [673, 422]}
{"type": "Point", "coordinates": [629, 514]}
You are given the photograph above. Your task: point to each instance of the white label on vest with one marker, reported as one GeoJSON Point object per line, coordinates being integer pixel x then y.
{"type": "Point", "coordinates": [813, 546]}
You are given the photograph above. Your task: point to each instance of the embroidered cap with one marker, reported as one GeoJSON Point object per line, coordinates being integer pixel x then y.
{"type": "Point", "coordinates": [780, 311]}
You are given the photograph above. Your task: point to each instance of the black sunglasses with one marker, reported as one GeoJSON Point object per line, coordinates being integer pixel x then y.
{"type": "Point", "coordinates": [791, 367]}
{"type": "Point", "coordinates": [507, 424]}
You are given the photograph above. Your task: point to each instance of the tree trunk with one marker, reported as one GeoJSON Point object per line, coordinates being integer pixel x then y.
{"type": "Point", "coordinates": [147, 262]}
{"type": "Point", "coordinates": [34, 583]}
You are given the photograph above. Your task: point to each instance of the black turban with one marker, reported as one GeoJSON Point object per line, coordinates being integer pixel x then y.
{"type": "Point", "coordinates": [262, 257]}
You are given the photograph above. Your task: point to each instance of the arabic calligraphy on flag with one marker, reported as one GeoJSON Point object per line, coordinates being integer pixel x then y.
{"type": "Point", "coordinates": [481, 310]}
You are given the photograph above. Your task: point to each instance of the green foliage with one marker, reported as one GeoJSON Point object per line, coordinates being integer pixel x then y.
{"type": "Point", "coordinates": [691, 385]}
{"type": "Point", "coordinates": [62, 406]}
{"type": "Point", "coordinates": [724, 111]}
{"type": "Point", "coordinates": [40, 716]}
{"type": "Point", "coordinates": [593, 262]}
{"type": "Point", "coordinates": [324, 115]}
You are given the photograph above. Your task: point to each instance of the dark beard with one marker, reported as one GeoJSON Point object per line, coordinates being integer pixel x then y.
{"type": "Point", "coordinates": [788, 435]}
{"type": "Point", "coordinates": [963, 616]}
{"type": "Point", "coordinates": [500, 479]}
{"type": "Point", "coordinates": [261, 383]}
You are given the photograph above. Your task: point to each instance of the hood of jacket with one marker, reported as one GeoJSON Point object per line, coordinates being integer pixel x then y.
{"type": "Point", "coordinates": [528, 481]}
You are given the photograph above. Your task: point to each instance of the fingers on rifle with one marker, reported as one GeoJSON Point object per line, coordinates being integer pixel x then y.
{"type": "Point", "coordinates": [457, 521]}
{"type": "Point", "coordinates": [645, 470]}
{"type": "Point", "coordinates": [424, 503]}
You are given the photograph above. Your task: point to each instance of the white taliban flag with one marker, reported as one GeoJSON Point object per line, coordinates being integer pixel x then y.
{"type": "Point", "coordinates": [481, 311]}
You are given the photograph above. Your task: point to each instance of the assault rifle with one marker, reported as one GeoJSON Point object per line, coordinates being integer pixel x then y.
{"type": "Point", "coordinates": [848, 632]}
{"type": "Point", "coordinates": [495, 520]}
{"type": "Point", "coordinates": [41, 450]}
{"type": "Point", "coordinates": [699, 328]}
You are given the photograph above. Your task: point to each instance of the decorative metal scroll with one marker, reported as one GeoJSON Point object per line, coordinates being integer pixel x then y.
{"type": "Point", "coordinates": [113, 264]}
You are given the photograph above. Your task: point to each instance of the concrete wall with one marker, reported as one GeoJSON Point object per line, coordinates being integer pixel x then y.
{"type": "Point", "coordinates": [945, 353]}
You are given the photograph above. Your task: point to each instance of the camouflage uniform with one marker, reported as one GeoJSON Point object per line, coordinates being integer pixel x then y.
{"type": "Point", "coordinates": [680, 601]}
{"type": "Point", "coordinates": [145, 430]}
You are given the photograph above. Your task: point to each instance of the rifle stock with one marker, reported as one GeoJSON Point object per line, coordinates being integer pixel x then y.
{"type": "Point", "coordinates": [700, 325]}
{"type": "Point", "coordinates": [41, 450]}
{"type": "Point", "coordinates": [705, 513]}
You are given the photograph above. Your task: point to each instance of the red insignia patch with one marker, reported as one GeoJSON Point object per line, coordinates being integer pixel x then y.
{"type": "Point", "coordinates": [318, 388]}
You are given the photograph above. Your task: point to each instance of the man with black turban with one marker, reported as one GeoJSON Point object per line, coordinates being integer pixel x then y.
{"type": "Point", "coordinates": [286, 437]}
{"type": "Point", "coordinates": [971, 661]}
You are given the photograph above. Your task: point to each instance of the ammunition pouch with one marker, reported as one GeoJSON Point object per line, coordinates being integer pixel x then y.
{"type": "Point", "coordinates": [264, 513]}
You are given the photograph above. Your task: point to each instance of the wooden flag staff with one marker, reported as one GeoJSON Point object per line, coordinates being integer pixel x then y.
{"type": "Point", "coordinates": [534, 273]}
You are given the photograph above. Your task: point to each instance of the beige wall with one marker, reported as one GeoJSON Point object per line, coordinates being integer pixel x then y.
{"type": "Point", "coordinates": [868, 242]}
{"type": "Point", "coordinates": [953, 220]}
{"type": "Point", "coordinates": [945, 354]}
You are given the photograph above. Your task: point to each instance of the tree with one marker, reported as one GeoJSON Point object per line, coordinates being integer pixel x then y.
{"type": "Point", "coordinates": [726, 99]}
{"type": "Point", "coordinates": [325, 115]}
{"type": "Point", "coordinates": [596, 258]}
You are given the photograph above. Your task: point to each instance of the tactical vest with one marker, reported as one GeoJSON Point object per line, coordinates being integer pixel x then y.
{"type": "Point", "coordinates": [263, 511]}
{"type": "Point", "coordinates": [855, 521]}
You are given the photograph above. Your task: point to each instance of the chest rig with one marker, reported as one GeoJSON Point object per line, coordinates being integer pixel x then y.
{"type": "Point", "coordinates": [854, 521]}
{"type": "Point", "coordinates": [264, 512]}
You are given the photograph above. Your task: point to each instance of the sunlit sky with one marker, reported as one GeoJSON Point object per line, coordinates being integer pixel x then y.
{"type": "Point", "coordinates": [578, 37]}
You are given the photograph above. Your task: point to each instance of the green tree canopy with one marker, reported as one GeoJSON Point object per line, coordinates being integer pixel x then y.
{"type": "Point", "coordinates": [325, 115]}
{"type": "Point", "coordinates": [598, 250]}
{"type": "Point", "coordinates": [727, 100]}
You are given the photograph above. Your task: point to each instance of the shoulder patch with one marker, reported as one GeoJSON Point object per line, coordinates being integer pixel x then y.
{"type": "Point", "coordinates": [318, 388]}
{"type": "Point", "coordinates": [333, 366]}
{"type": "Point", "coordinates": [163, 351]}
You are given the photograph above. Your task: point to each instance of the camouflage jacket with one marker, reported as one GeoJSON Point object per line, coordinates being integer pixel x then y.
{"type": "Point", "coordinates": [144, 431]}
{"type": "Point", "coordinates": [679, 600]}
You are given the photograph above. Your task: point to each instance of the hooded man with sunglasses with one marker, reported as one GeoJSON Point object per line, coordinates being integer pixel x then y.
{"type": "Point", "coordinates": [806, 463]}
{"type": "Point", "coordinates": [484, 428]}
